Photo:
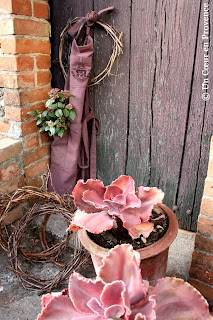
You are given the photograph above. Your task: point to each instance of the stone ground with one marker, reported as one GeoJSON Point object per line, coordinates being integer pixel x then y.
{"type": "Point", "coordinates": [17, 303]}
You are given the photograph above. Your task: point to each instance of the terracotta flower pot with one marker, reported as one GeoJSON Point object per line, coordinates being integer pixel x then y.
{"type": "Point", "coordinates": [153, 258]}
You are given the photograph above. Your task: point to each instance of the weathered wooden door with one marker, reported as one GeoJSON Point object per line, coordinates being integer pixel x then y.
{"type": "Point", "coordinates": [155, 125]}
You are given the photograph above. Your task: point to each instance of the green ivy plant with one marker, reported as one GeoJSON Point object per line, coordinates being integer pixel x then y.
{"type": "Point", "coordinates": [58, 114]}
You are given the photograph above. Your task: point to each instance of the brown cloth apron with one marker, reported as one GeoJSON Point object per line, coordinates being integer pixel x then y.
{"type": "Point", "coordinates": [71, 158]}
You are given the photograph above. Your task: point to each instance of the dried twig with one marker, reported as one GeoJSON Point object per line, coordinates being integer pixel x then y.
{"type": "Point", "coordinates": [51, 204]}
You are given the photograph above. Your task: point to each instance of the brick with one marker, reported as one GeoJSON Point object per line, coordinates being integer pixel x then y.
{"type": "Point", "coordinates": [207, 207]}
{"type": "Point", "coordinates": [29, 128]}
{"type": "Point", "coordinates": [9, 149]}
{"type": "Point", "coordinates": [8, 80]}
{"type": "Point", "coordinates": [205, 225]}
{"type": "Point", "coordinates": [203, 259]}
{"type": "Point", "coordinates": [43, 62]}
{"type": "Point", "coordinates": [12, 97]}
{"type": "Point", "coordinates": [208, 188]}
{"type": "Point", "coordinates": [201, 274]}
{"type": "Point", "coordinates": [13, 215]}
{"type": "Point", "coordinates": [6, 26]}
{"type": "Point", "coordinates": [21, 181]}
{"type": "Point", "coordinates": [31, 27]}
{"type": "Point", "coordinates": [15, 81]}
{"type": "Point", "coordinates": [31, 142]}
{"type": "Point", "coordinates": [32, 95]}
{"type": "Point", "coordinates": [36, 182]}
{"type": "Point", "coordinates": [43, 77]}
{"type": "Point", "coordinates": [45, 138]}
{"type": "Point", "coordinates": [41, 10]}
{"type": "Point", "coordinates": [205, 290]}
{"type": "Point", "coordinates": [9, 172]}
{"type": "Point", "coordinates": [10, 186]}
{"type": "Point", "coordinates": [38, 106]}
{"type": "Point", "coordinates": [22, 7]}
{"type": "Point", "coordinates": [15, 45]}
{"type": "Point", "coordinates": [4, 126]}
{"type": "Point", "coordinates": [204, 243]}
{"type": "Point", "coordinates": [6, 6]}
{"type": "Point", "coordinates": [37, 169]}
{"type": "Point", "coordinates": [20, 63]}
{"type": "Point", "coordinates": [210, 168]}
{"type": "Point", "coordinates": [36, 155]}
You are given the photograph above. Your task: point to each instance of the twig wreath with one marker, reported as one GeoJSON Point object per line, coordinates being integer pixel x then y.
{"type": "Point", "coordinates": [116, 50]}
{"type": "Point", "coordinates": [10, 240]}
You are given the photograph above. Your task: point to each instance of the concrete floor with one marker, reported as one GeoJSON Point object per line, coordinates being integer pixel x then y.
{"type": "Point", "coordinates": [17, 303]}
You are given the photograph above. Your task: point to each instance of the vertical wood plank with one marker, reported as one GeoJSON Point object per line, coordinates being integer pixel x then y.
{"type": "Point", "coordinates": [142, 73]}
{"type": "Point", "coordinates": [111, 96]}
{"type": "Point", "coordinates": [207, 127]}
{"type": "Point", "coordinates": [197, 137]}
{"type": "Point", "coordinates": [176, 25]}
{"type": "Point", "coordinates": [60, 12]}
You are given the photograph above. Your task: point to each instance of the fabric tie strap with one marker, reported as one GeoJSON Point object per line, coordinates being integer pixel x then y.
{"type": "Point", "coordinates": [90, 18]}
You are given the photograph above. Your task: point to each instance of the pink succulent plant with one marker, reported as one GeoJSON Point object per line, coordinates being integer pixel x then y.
{"type": "Point", "coordinates": [98, 206]}
{"type": "Point", "coordinates": [119, 292]}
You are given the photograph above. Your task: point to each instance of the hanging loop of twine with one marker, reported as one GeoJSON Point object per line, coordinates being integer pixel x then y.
{"type": "Point", "coordinates": [92, 18]}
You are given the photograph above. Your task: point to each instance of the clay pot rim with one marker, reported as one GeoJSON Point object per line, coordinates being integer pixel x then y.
{"type": "Point", "coordinates": [145, 253]}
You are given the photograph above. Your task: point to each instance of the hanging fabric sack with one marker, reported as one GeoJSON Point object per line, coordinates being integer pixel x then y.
{"type": "Point", "coordinates": [71, 158]}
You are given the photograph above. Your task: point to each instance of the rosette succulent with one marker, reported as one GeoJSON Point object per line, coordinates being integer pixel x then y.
{"type": "Point", "coordinates": [99, 207]}
{"type": "Point", "coordinates": [119, 292]}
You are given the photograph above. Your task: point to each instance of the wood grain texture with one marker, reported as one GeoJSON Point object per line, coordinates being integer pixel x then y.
{"type": "Point", "coordinates": [176, 26]}
{"type": "Point", "coordinates": [196, 139]}
{"type": "Point", "coordinates": [111, 96]}
{"type": "Point", "coordinates": [142, 74]}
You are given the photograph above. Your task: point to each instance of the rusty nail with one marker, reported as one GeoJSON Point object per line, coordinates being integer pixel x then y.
{"type": "Point", "coordinates": [188, 212]}
{"type": "Point", "coordinates": [175, 208]}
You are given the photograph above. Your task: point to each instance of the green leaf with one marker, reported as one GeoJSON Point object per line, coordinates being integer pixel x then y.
{"type": "Point", "coordinates": [56, 121]}
{"type": "Point", "coordinates": [61, 105]}
{"type": "Point", "coordinates": [32, 113]}
{"type": "Point", "coordinates": [52, 114]}
{"type": "Point", "coordinates": [44, 113]}
{"type": "Point", "coordinates": [59, 113]}
{"type": "Point", "coordinates": [39, 122]}
{"type": "Point", "coordinates": [49, 102]}
{"type": "Point", "coordinates": [52, 131]}
{"type": "Point", "coordinates": [42, 129]}
{"type": "Point", "coordinates": [72, 114]}
{"type": "Point", "coordinates": [53, 106]}
{"type": "Point", "coordinates": [46, 128]}
{"type": "Point", "coordinates": [66, 112]}
{"type": "Point", "coordinates": [61, 132]}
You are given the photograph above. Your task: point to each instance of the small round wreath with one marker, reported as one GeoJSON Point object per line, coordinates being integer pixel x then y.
{"type": "Point", "coordinates": [11, 237]}
{"type": "Point", "coordinates": [116, 51]}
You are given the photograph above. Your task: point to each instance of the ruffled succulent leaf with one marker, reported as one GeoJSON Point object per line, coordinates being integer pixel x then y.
{"type": "Point", "coordinates": [125, 183]}
{"type": "Point", "coordinates": [177, 299]}
{"type": "Point", "coordinates": [144, 229]}
{"type": "Point", "coordinates": [115, 300]}
{"type": "Point", "coordinates": [93, 222]}
{"type": "Point", "coordinates": [122, 263]}
{"type": "Point", "coordinates": [81, 186]}
{"type": "Point", "coordinates": [81, 290]}
{"type": "Point", "coordinates": [149, 197]}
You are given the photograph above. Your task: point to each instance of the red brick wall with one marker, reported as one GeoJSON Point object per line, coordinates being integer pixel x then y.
{"type": "Point", "coordinates": [25, 78]}
{"type": "Point", "coordinates": [201, 271]}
